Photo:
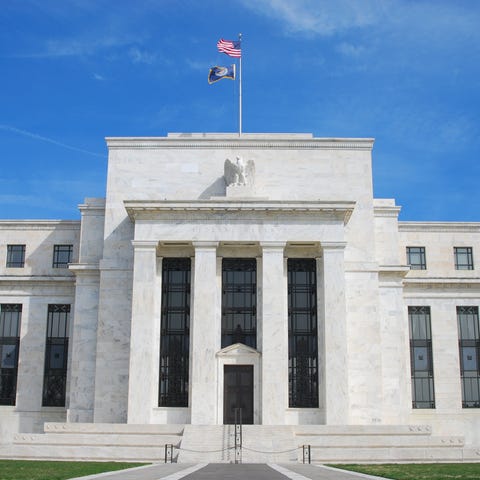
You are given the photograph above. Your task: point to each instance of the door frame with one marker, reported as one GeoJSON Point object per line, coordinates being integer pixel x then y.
{"type": "Point", "coordinates": [239, 354]}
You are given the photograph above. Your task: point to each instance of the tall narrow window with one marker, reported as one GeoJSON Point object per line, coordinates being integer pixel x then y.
{"type": "Point", "coordinates": [463, 258]}
{"type": "Point", "coordinates": [175, 333]}
{"type": "Point", "coordinates": [15, 256]}
{"type": "Point", "coordinates": [416, 258]}
{"type": "Point", "coordinates": [62, 256]}
{"type": "Point", "coordinates": [10, 318]}
{"type": "Point", "coordinates": [239, 301]}
{"type": "Point", "coordinates": [421, 360]}
{"type": "Point", "coordinates": [302, 333]}
{"type": "Point", "coordinates": [56, 356]}
{"type": "Point", "coordinates": [469, 344]}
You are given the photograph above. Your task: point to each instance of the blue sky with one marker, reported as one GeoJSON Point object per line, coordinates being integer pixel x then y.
{"type": "Point", "coordinates": [404, 72]}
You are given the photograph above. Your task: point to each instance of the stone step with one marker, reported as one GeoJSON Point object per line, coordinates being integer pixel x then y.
{"type": "Point", "coordinates": [365, 441]}
{"type": "Point", "coordinates": [113, 428]}
{"type": "Point", "coordinates": [352, 430]}
{"type": "Point", "coordinates": [105, 439]}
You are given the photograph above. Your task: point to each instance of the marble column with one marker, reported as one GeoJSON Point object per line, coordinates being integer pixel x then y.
{"type": "Point", "coordinates": [142, 384]}
{"type": "Point", "coordinates": [274, 337]}
{"type": "Point", "coordinates": [333, 342]}
{"type": "Point", "coordinates": [205, 333]}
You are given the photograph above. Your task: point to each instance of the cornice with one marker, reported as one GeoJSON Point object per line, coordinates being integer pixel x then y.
{"type": "Point", "coordinates": [138, 209]}
{"type": "Point", "coordinates": [439, 227]}
{"type": "Point", "coordinates": [36, 279]}
{"type": "Point", "coordinates": [246, 141]}
{"type": "Point", "coordinates": [386, 211]}
{"type": "Point", "coordinates": [39, 224]}
{"type": "Point", "coordinates": [474, 281]}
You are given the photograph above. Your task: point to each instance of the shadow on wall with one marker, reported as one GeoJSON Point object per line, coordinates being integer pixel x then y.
{"type": "Point", "coordinates": [217, 189]}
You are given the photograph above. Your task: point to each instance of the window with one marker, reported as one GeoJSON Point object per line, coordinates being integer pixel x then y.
{"type": "Point", "coordinates": [416, 258]}
{"type": "Point", "coordinates": [469, 345]}
{"type": "Point", "coordinates": [175, 333]}
{"type": "Point", "coordinates": [10, 318]}
{"type": "Point", "coordinates": [62, 255]}
{"type": "Point", "coordinates": [421, 360]}
{"type": "Point", "coordinates": [56, 356]}
{"type": "Point", "coordinates": [302, 333]}
{"type": "Point", "coordinates": [463, 258]}
{"type": "Point", "coordinates": [239, 301]}
{"type": "Point", "coordinates": [15, 256]}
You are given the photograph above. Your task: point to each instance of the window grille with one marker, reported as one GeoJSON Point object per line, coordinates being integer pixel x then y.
{"type": "Point", "coordinates": [302, 333]}
{"type": "Point", "coordinates": [10, 319]}
{"type": "Point", "coordinates": [421, 360]}
{"type": "Point", "coordinates": [416, 258]}
{"type": "Point", "coordinates": [15, 256]}
{"type": "Point", "coordinates": [56, 356]}
{"type": "Point", "coordinates": [175, 332]}
{"type": "Point", "coordinates": [239, 301]}
{"type": "Point", "coordinates": [469, 345]}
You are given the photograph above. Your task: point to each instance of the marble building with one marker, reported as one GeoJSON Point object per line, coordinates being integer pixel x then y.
{"type": "Point", "coordinates": [254, 272]}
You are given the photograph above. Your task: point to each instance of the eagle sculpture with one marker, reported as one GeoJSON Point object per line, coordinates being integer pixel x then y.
{"type": "Point", "coordinates": [239, 172]}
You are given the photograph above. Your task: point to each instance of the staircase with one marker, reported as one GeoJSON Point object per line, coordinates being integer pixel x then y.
{"type": "Point", "coordinates": [261, 443]}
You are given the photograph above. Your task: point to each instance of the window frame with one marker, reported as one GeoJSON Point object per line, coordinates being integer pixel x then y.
{"type": "Point", "coordinates": [9, 373]}
{"type": "Point", "coordinates": [422, 378]}
{"type": "Point", "coordinates": [468, 252]}
{"type": "Point", "coordinates": [57, 338]}
{"type": "Point", "coordinates": [12, 251]}
{"type": "Point", "coordinates": [303, 386]}
{"type": "Point", "coordinates": [175, 333]}
{"type": "Point", "coordinates": [470, 378]}
{"type": "Point", "coordinates": [57, 251]}
{"type": "Point", "coordinates": [422, 265]}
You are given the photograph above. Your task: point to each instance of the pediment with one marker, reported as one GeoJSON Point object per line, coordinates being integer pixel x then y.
{"type": "Point", "coordinates": [238, 349]}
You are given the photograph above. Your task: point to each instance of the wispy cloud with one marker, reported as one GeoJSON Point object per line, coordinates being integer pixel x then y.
{"type": "Point", "coordinates": [141, 56]}
{"type": "Point", "coordinates": [98, 77]}
{"type": "Point", "coordinates": [35, 136]}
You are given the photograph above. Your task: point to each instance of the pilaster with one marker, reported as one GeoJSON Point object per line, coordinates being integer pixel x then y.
{"type": "Point", "coordinates": [274, 336]}
{"type": "Point", "coordinates": [142, 386]}
{"type": "Point", "coordinates": [205, 333]}
{"type": "Point", "coordinates": [332, 312]}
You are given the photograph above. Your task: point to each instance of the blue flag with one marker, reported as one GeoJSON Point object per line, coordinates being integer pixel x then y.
{"type": "Point", "coordinates": [217, 73]}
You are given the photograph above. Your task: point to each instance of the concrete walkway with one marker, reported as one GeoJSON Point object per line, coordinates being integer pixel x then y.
{"type": "Point", "coordinates": [227, 471]}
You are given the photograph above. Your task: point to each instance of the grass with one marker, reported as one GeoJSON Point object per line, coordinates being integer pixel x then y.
{"type": "Point", "coordinates": [417, 471]}
{"type": "Point", "coordinates": [37, 470]}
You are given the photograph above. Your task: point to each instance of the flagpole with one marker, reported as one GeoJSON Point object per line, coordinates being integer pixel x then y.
{"type": "Point", "coordinates": [240, 90]}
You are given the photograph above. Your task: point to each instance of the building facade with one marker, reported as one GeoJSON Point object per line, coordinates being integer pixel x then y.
{"type": "Point", "coordinates": [254, 272]}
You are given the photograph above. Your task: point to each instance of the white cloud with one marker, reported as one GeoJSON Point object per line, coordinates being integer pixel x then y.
{"type": "Point", "coordinates": [98, 77]}
{"type": "Point", "coordinates": [141, 56]}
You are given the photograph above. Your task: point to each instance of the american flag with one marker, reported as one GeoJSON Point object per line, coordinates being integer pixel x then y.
{"type": "Point", "coordinates": [231, 48]}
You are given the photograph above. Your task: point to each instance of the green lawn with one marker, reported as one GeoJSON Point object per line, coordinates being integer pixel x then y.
{"type": "Point", "coordinates": [416, 471]}
{"type": "Point", "coordinates": [34, 470]}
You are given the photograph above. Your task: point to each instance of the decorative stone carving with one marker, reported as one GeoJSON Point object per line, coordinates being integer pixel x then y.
{"type": "Point", "coordinates": [239, 173]}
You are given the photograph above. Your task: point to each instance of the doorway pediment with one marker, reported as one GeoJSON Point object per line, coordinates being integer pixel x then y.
{"type": "Point", "coordinates": [238, 350]}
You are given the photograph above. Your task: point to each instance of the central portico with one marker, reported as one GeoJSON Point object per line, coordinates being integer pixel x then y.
{"type": "Point", "coordinates": [238, 325]}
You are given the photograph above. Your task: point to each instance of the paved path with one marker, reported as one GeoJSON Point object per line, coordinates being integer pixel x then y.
{"type": "Point", "coordinates": [227, 471]}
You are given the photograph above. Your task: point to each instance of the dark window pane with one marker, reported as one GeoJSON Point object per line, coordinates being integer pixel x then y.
{"type": "Point", "coordinates": [175, 335]}
{"type": "Point", "coordinates": [239, 301]}
{"type": "Point", "coordinates": [10, 318]}
{"type": "Point", "coordinates": [463, 258]}
{"type": "Point", "coordinates": [421, 357]}
{"type": "Point", "coordinates": [15, 256]}
{"type": "Point", "coordinates": [62, 255]}
{"type": "Point", "coordinates": [416, 258]}
{"type": "Point", "coordinates": [469, 346]}
{"type": "Point", "coordinates": [302, 333]}
{"type": "Point", "coordinates": [56, 353]}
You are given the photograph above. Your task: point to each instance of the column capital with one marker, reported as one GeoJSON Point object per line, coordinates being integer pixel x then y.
{"type": "Point", "coordinates": [333, 245]}
{"type": "Point", "coordinates": [201, 244]}
{"type": "Point", "coordinates": [273, 245]}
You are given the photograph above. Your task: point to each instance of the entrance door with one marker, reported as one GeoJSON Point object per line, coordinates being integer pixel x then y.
{"type": "Point", "coordinates": [238, 393]}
